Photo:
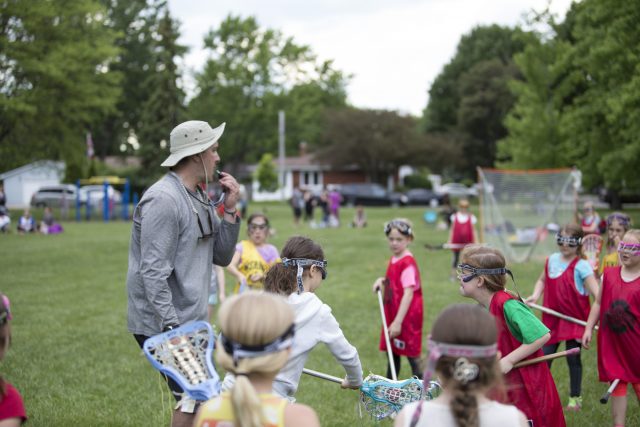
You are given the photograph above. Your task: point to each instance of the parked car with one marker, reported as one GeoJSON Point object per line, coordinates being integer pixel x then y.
{"type": "Point", "coordinates": [423, 196]}
{"type": "Point", "coordinates": [455, 189]}
{"type": "Point", "coordinates": [95, 194]}
{"type": "Point", "coordinates": [368, 194]}
{"type": "Point", "coordinates": [56, 196]}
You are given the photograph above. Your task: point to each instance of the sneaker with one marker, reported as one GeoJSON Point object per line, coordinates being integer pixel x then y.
{"type": "Point", "coordinates": [575, 404]}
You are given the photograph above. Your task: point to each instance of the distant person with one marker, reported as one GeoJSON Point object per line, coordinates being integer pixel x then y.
{"type": "Point", "coordinates": [335, 198]}
{"type": "Point", "coordinates": [48, 225]}
{"type": "Point", "coordinates": [566, 282]}
{"type": "Point", "coordinates": [617, 310]}
{"type": "Point", "coordinates": [175, 239]}
{"type": "Point", "coordinates": [3, 196]}
{"type": "Point", "coordinates": [256, 337]}
{"type": "Point", "coordinates": [216, 288]}
{"type": "Point", "coordinates": [253, 257]}
{"type": "Point", "coordinates": [243, 201]}
{"type": "Point", "coordinates": [297, 205]}
{"type": "Point", "coordinates": [618, 223]}
{"type": "Point", "coordinates": [447, 210]}
{"type": "Point", "coordinates": [463, 354]}
{"type": "Point", "coordinates": [323, 204]}
{"type": "Point", "coordinates": [461, 233]}
{"type": "Point", "coordinates": [309, 205]}
{"type": "Point", "coordinates": [402, 294]}
{"type": "Point", "coordinates": [26, 223]}
{"type": "Point", "coordinates": [12, 412]}
{"type": "Point", "coordinates": [482, 274]}
{"type": "Point", "coordinates": [297, 278]}
{"type": "Point", "coordinates": [359, 218]}
{"type": "Point", "coordinates": [589, 220]}
{"type": "Point", "coordinates": [5, 220]}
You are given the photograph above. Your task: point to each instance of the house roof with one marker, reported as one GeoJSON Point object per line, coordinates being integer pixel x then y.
{"type": "Point", "coordinates": [31, 166]}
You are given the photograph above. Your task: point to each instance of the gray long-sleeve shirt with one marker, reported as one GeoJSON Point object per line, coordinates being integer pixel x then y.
{"type": "Point", "coordinates": [169, 265]}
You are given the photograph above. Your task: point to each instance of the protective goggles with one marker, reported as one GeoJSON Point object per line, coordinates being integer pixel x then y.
{"type": "Point", "coordinates": [401, 226]}
{"type": "Point", "coordinates": [623, 219]}
{"type": "Point", "coordinates": [241, 351]}
{"type": "Point", "coordinates": [468, 272]}
{"type": "Point", "coordinates": [632, 249]}
{"type": "Point", "coordinates": [572, 242]}
{"type": "Point", "coordinates": [301, 263]}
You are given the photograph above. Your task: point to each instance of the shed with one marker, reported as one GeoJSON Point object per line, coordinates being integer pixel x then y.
{"type": "Point", "coordinates": [21, 183]}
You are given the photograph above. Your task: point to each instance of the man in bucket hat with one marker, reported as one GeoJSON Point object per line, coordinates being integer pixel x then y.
{"type": "Point", "coordinates": [175, 240]}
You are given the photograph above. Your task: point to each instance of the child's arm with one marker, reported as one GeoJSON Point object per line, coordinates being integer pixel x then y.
{"type": "Point", "coordinates": [221, 282]}
{"type": "Point", "coordinates": [346, 354]}
{"type": "Point", "coordinates": [594, 314]}
{"type": "Point", "coordinates": [395, 328]}
{"type": "Point", "coordinates": [525, 350]}
{"type": "Point", "coordinates": [233, 267]}
{"type": "Point", "coordinates": [538, 289]}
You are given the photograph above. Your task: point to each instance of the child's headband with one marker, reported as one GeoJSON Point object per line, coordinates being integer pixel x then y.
{"type": "Point", "coordinates": [241, 351]}
{"type": "Point", "coordinates": [304, 262]}
{"type": "Point", "coordinates": [464, 371]}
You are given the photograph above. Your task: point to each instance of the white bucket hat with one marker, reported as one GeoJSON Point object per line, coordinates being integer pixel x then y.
{"type": "Point", "coordinates": [191, 138]}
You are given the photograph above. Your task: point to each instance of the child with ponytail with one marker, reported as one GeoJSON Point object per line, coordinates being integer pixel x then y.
{"type": "Point", "coordinates": [464, 354]}
{"type": "Point", "coordinates": [257, 332]}
{"type": "Point", "coordinates": [482, 274]}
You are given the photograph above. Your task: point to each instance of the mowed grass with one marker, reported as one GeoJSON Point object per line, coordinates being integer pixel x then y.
{"type": "Point", "coordinates": [76, 364]}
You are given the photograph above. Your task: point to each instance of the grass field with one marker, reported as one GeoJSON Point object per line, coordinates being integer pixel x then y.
{"type": "Point", "coordinates": [75, 363]}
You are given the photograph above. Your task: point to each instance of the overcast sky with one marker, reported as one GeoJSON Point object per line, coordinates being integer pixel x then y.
{"type": "Point", "coordinates": [393, 48]}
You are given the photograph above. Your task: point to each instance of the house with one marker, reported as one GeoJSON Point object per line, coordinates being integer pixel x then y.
{"type": "Point", "coordinates": [21, 183]}
{"type": "Point", "coordinates": [305, 171]}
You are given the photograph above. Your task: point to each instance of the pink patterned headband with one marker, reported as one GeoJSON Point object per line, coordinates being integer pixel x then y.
{"type": "Point", "coordinates": [464, 371]}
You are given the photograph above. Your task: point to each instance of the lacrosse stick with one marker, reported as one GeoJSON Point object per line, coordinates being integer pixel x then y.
{"type": "Point", "coordinates": [591, 247]}
{"type": "Point", "coordinates": [445, 246]}
{"type": "Point", "coordinates": [382, 397]}
{"type": "Point", "coordinates": [184, 354]}
{"type": "Point", "coordinates": [551, 356]}
{"type": "Point", "coordinates": [558, 314]}
{"type": "Point", "coordinates": [386, 334]}
{"type": "Point", "coordinates": [605, 397]}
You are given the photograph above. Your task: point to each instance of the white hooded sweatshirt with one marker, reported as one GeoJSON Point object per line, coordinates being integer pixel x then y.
{"type": "Point", "coordinates": [314, 324]}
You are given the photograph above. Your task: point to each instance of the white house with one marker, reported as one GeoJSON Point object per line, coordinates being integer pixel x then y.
{"type": "Point", "coordinates": [21, 183]}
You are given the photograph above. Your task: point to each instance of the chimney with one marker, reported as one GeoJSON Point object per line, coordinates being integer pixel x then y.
{"type": "Point", "coordinates": [302, 148]}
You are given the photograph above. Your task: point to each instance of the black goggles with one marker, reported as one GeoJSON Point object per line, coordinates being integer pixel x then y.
{"type": "Point", "coordinates": [401, 226]}
{"type": "Point", "coordinates": [241, 351]}
{"type": "Point", "coordinates": [468, 272]}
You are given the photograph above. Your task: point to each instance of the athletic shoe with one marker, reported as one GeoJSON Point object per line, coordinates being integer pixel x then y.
{"type": "Point", "coordinates": [575, 404]}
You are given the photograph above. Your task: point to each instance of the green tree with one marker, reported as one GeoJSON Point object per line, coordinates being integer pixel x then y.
{"type": "Point", "coordinates": [378, 141]}
{"type": "Point", "coordinates": [54, 78]}
{"type": "Point", "coordinates": [164, 107]}
{"type": "Point", "coordinates": [251, 74]}
{"type": "Point", "coordinates": [266, 173]}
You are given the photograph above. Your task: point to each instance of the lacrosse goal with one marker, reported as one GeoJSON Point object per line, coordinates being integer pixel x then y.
{"type": "Point", "coordinates": [522, 210]}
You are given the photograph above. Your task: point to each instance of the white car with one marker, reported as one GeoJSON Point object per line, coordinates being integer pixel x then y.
{"type": "Point", "coordinates": [455, 189]}
{"type": "Point", "coordinates": [95, 194]}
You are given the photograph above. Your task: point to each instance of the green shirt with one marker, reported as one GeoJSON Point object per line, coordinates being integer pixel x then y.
{"type": "Point", "coordinates": [523, 324]}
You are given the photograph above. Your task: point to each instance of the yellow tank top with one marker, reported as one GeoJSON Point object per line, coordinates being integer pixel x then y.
{"type": "Point", "coordinates": [609, 260]}
{"type": "Point", "coordinates": [251, 263]}
{"type": "Point", "coordinates": [218, 412]}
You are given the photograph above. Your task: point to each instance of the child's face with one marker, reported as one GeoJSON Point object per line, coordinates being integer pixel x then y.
{"type": "Point", "coordinates": [615, 230]}
{"type": "Point", "coordinates": [565, 249]}
{"type": "Point", "coordinates": [467, 289]}
{"type": "Point", "coordinates": [630, 252]}
{"type": "Point", "coordinates": [398, 242]}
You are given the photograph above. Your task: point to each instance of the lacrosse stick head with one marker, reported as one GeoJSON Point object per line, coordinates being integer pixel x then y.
{"type": "Point", "coordinates": [185, 355]}
{"type": "Point", "coordinates": [591, 247]}
{"type": "Point", "coordinates": [382, 397]}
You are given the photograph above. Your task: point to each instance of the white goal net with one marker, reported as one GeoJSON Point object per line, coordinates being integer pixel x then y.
{"type": "Point", "coordinates": [521, 210]}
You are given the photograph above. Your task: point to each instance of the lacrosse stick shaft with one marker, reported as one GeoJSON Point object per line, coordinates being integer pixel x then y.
{"type": "Point", "coordinates": [386, 337]}
{"type": "Point", "coordinates": [605, 397]}
{"type": "Point", "coordinates": [322, 375]}
{"type": "Point", "coordinates": [558, 314]}
{"type": "Point", "coordinates": [565, 353]}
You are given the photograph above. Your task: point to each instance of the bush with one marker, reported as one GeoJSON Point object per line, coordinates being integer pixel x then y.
{"type": "Point", "coordinates": [417, 181]}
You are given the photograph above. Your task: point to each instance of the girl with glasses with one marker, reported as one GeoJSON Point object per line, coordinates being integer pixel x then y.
{"type": "Point", "coordinates": [617, 224]}
{"type": "Point", "coordinates": [566, 282]}
{"type": "Point", "coordinates": [617, 309]}
{"type": "Point", "coordinates": [253, 257]}
{"type": "Point", "coordinates": [521, 335]}
{"type": "Point", "coordinates": [402, 296]}
{"type": "Point", "coordinates": [297, 277]}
